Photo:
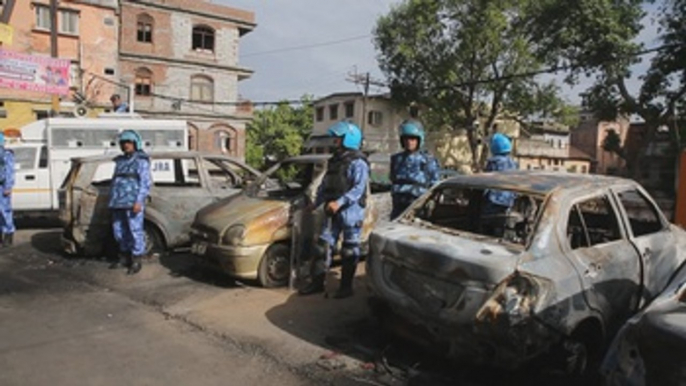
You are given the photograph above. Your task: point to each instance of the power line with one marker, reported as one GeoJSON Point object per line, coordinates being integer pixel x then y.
{"type": "Point", "coordinates": [305, 47]}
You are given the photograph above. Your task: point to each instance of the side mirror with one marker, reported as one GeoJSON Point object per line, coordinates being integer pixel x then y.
{"type": "Point", "coordinates": [17, 167]}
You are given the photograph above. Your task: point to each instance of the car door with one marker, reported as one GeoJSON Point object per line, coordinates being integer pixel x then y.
{"type": "Point", "coordinates": [25, 192]}
{"type": "Point", "coordinates": [652, 238]}
{"type": "Point", "coordinates": [605, 259]}
{"type": "Point", "coordinates": [180, 189]}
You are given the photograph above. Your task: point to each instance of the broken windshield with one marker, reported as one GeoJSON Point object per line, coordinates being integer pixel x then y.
{"type": "Point", "coordinates": [468, 209]}
{"type": "Point", "coordinates": [288, 179]}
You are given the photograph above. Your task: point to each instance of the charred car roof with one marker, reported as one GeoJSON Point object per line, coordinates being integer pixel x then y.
{"type": "Point", "coordinates": [535, 182]}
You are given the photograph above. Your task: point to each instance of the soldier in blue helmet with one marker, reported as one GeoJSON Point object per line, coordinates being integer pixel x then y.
{"type": "Point", "coordinates": [343, 192]}
{"type": "Point", "coordinates": [498, 202]}
{"type": "Point", "coordinates": [413, 171]}
{"type": "Point", "coordinates": [129, 190]}
{"type": "Point", "coordinates": [6, 183]}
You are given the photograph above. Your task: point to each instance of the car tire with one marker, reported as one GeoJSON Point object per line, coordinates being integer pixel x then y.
{"type": "Point", "coordinates": [275, 266]}
{"type": "Point", "coordinates": [154, 243]}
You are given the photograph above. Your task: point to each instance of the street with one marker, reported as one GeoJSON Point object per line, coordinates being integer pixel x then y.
{"type": "Point", "coordinates": [68, 321]}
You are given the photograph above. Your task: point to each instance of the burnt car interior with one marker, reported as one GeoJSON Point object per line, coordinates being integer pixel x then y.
{"type": "Point", "coordinates": [592, 222]}
{"type": "Point", "coordinates": [288, 181]}
{"type": "Point", "coordinates": [461, 209]}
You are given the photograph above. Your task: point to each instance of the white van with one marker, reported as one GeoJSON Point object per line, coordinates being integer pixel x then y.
{"type": "Point", "coordinates": [43, 153]}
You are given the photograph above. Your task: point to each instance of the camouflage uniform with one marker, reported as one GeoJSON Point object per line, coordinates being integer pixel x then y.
{"type": "Point", "coordinates": [412, 174]}
{"type": "Point", "coordinates": [7, 228]}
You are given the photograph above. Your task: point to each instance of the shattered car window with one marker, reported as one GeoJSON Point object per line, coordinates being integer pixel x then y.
{"type": "Point", "coordinates": [462, 209]}
{"type": "Point", "coordinates": [642, 215]}
{"type": "Point", "coordinates": [599, 220]}
{"type": "Point", "coordinates": [288, 180]}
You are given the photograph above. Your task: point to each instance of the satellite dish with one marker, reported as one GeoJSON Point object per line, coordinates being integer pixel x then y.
{"type": "Point", "coordinates": [80, 111]}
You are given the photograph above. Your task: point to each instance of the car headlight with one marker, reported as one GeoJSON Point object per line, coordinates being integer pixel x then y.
{"type": "Point", "coordinates": [234, 235]}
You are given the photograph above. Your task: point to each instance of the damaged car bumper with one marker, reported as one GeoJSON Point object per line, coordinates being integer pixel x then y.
{"type": "Point", "coordinates": [241, 262]}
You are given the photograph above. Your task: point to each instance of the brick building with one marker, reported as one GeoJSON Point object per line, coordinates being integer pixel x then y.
{"type": "Point", "coordinates": [589, 136]}
{"type": "Point", "coordinates": [182, 58]}
{"type": "Point", "coordinates": [88, 34]}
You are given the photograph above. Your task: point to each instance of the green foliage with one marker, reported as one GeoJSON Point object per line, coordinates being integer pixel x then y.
{"type": "Point", "coordinates": [438, 52]}
{"type": "Point", "coordinates": [279, 132]}
{"type": "Point", "coordinates": [599, 37]}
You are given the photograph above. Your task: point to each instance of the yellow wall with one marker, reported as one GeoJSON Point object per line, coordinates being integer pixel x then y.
{"type": "Point", "coordinates": [21, 113]}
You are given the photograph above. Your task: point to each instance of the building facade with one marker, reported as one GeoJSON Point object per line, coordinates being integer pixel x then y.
{"type": "Point", "coordinates": [378, 118]}
{"type": "Point", "coordinates": [589, 136]}
{"type": "Point", "coordinates": [541, 154]}
{"type": "Point", "coordinates": [181, 57]}
{"type": "Point", "coordinates": [88, 33]}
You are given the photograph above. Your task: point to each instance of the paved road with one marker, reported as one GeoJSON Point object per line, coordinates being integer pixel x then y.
{"type": "Point", "coordinates": [72, 322]}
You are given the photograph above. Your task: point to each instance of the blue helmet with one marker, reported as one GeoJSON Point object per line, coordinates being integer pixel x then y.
{"type": "Point", "coordinates": [411, 128]}
{"type": "Point", "coordinates": [2, 138]}
{"type": "Point", "coordinates": [131, 136]}
{"type": "Point", "coordinates": [351, 134]}
{"type": "Point", "coordinates": [500, 144]}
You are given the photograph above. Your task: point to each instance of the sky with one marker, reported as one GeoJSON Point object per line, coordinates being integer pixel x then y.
{"type": "Point", "coordinates": [282, 72]}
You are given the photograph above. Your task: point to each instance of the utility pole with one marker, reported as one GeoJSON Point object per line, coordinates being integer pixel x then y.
{"type": "Point", "coordinates": [53, 50]}
{"type": "Point", "coordinates": [365, 80]}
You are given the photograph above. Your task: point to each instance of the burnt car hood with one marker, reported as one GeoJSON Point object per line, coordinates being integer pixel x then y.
{"type": "Point", "coordinates": [238, 209]}
{"type": "Point", "coordinates": [454, 258]}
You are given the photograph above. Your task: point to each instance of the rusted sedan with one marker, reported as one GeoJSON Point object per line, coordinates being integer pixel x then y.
{"type": "Point", "coordinates": [569, 262]}
{"type": "Point", "coordinates": [250, 236]}
{"type": "Point", "coordinates": [183, 182]}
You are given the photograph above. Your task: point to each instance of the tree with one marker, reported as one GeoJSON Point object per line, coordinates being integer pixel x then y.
{"type": "Point", "coordinates": [613, 143]}
{"type": "Point", "coordinates": [599, 38]}
{"type": "Point", "coordinates": [278, 132]}
{"type": "Point", "coordinates": [439, 52]}
{"type": "Point", "coordinates": [543, 102]}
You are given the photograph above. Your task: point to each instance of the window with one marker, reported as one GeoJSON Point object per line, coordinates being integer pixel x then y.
{"type": "Point", "coordinates": [576, 230]}
{"type": "Point", "coordinates": [175, 172]}
{"type": "Point", "coordinates": [202, 88]}
{"type": "Point", "coordinates": [25, 157]}
{"type": "Point", "coordinates": [143, 82]}
{"type": "Point", "coordinates": [333, 112]}
{"type": "Point", "coordinates": [203, 39]}
{"type": "Point", "coordinates": [599, 222]}
{"type": "Point", "coordinates": [220, 176]}
{"type": "Point", "coordinates": [461, 209]}
{"type": "Point", "coordinates": [144, 28]}
{"type": "Point", "coordinates": [642, 215]}
{"type": "Point", "coordinates": [43, 20]}
{"type": "Point", "coordinates": [43, 160]}
{"type": "Point", "coordinates": [320, 114]}
{"type": "Point", "coordinates": [349, 109]}
{"type": "Point", "coordinates": [584, 169]}
{"type": "Point", "coordinates": [69, 22]}
{"type": "Point", "coordinates": [375, 118]}
{"type": "Point", "coordinates": [224, 142]}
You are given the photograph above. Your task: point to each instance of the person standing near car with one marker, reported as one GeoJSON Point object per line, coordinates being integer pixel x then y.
{"type": "Point", "coordinates": [413, 171]}
{"type": "Point", "coordinates": [6, 184]}
{"type": "Point", "coordinates": [343, 192]}
{"type": "Point", "coordinates": [129, 190]}
{"type": "Point", "coordinates": [498, 202]}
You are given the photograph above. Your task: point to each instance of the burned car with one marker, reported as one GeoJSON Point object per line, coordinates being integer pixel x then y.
{"type": "Point", "coordinates": [650, 347]}
{"type": "Point", "coordinates": [574, 257]}
{"type": "Point", "coordinates": [183, 182]}
{"type": "Point", "coordinates": [249, 236]}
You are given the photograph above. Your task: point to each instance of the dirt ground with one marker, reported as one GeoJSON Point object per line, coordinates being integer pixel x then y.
{"type": "Point", "coordinates": [67, 321]}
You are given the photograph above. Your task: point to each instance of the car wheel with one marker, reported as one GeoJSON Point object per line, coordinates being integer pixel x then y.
{"type": "Point", "coordinates": [275, 266]}
{"type": "Point", "coordinates": [154, 243]}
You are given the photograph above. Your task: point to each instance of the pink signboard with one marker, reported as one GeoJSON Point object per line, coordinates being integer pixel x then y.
{"type": "Point", "coordinates": [34, 73]}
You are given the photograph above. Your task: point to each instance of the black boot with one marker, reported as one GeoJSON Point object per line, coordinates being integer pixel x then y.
{"type": "Point", "coordinates": [123, 260]}
{"type": "Point", "coordinates": [347, 276]}
{"type": "Point", "coordinates": [136, 265]}
{"type": "Point", "coordinates": [7, 240]}
{"type": "Point", "coordinates": [315, 287]}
